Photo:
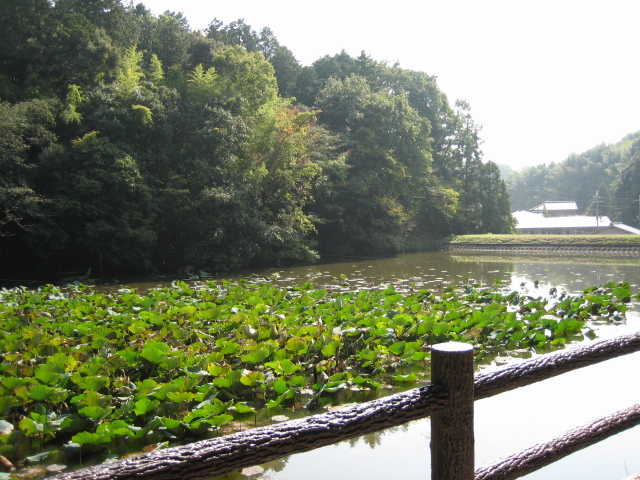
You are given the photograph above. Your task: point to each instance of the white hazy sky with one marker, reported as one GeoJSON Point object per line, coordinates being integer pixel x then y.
{"type": "Point", "coordinates": [545, 78]}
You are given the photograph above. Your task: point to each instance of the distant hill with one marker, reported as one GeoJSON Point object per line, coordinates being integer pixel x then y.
{"type": "Point", "coordinates": [589, 178]}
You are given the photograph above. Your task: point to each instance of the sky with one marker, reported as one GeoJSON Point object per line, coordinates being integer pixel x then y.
{"type": "Point", "coordinates": [545, 79]}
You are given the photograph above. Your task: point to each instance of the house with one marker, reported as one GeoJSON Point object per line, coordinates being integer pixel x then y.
{"type": "Point", "coordinates": [559, 218]}
{"type": "Point", "coordinates": [618, 229]}
{"type": "Point", "coordinates": [529, 222]}
{"type": "Point", "coordinates": [556, 209]}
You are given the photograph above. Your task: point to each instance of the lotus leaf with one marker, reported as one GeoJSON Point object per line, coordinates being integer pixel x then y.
{"type": "Point", "coordinates": [172, 355]}
{"type": "Point", "coordinates": [40, 392]}
{"type": "Point", "coordinates": [145, 405]}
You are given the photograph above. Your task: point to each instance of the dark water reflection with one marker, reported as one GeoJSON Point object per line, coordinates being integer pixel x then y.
{"type": "Point", "coordinates": [508, 422]}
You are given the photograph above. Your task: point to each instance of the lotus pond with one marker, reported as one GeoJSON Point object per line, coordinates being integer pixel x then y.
{"type": "Point", "coordinates": [91, 374]}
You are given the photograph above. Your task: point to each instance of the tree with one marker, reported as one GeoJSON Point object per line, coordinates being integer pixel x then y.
{"type": "Point", "coordinates": [155, 70]}
{"type": "Point", "coordinates": [25, 131]}
{"type": "Point", "coordinates": [161, 147]}
{"type": "Point", "coordinates": [202, 86]}
{"type": "Point", "coordinates": [22, 42]}
{"type": "Point", "coordinates": [170, 40]}
{"type": "Point", "coordinates": [628, 188]}
{"type": "Point", "coordinates": [246, 80]}
{"type": "Point", "coordinates": [130, 71]}
{"type": "Point", "coordinates": [528, 187]}
{"type": "Point", "coordinates": [74, 99]}
{"type": "Point", "coordinates": [388, 159]}
{"type": "Point", "coordinates": [201, 51]}
{"type": "Point", "coordinates": [104, 209]}
{"type": "Point", "coordinates": [287, 70]}
{"type": "Point", "coordinates": [238, 33]}
{"type": "Point", "coordinates": [496, 207]}
{"type": "Point", "coordinates": [110, 16]}
{"type": "Point", "coordinates": [283, 150]}
{"type": "Point", "coordinates": [207, 192]}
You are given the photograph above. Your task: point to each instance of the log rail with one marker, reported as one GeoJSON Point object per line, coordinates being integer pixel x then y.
{"type": "Point", "coordinates": [449, 401]}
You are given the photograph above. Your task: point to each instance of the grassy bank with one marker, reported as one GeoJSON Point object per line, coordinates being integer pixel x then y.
{"type": "Point", "coordinates": [546, 239]}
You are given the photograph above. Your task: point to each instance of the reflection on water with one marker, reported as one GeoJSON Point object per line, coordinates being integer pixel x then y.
{"type": "Point", "coordinates": [508, 422]}
{"type": "Point", "coordinates": [427, 270]}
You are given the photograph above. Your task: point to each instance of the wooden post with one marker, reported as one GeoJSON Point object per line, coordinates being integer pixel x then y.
{"type": "Point", "coordinates": [452, 438]}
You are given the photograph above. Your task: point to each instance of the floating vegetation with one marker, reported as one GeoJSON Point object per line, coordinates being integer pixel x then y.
{"type": "Point", "coordinates": [86, 372]}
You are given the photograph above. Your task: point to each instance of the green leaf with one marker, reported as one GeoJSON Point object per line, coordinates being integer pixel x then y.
{"type": "Point", "coordinates": [87, 438]}
{"type": "Point", "coordinates": [330, 349]}
{"type": "Point", "coordinates": [332, 387]}
{"type": "Point", "coordinates": [116, 428]}
{"type": "Point", "coordinates": [397, 348]}
{"type": "Point", "coordinates": [94, 412]}
{"type": "Point", "coordinates": [11, 383]}
{"type": "Point", "coordinates": [283, 366]}
{"type": "Point", "coordinates": [47, 377]}
{"type": "Point", "coordinates": [412, 377]}
{"type": "Point", "coordinates": [154, 355]}
{"type": "Point", "coordinates": [280, 386]}
{"type": "Point", "coordinates": [228, 347]}
{"type": "Point", "coordinates": [251, 379]}
{"type": "Point", "coordinates": [366, 382]}
{"type": "Point", "coordinates": [441, 328]}
{"type": "Point", "coordinates": [161, 393]}
{"type": "Point", "coordinates": [91, 383]}
{"type": "Point", "coordinates": [29, 427]}
{"type": "Point", "coordinates": [224, 382]}
{"type": "Point", "coordinates": [296, 345]}
{"type": "Point", "coordinates": [6, 403]}
{"type": "Point", "coordinates": [129, 356]}
{"type": "Point", "coordinates": [144, 406]}
{"type": "Point", "coordinates": [220, 420]}
{"type": "Point", "coordinates": [275, 403]}
{"type": "Point", "coordinates": [255, 357]}
{"type": "Point", "coordinates": [242, 408]}
{"type": "Point", "coordinates": [41, 392]}
{"type": "Point", "coordinates": [179, 397]}
{"type": "Point", "coordinates": [171, 423]}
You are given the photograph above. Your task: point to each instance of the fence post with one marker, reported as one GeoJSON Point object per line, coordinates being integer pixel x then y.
{"type": "Point", "coordinates": [452, 438]}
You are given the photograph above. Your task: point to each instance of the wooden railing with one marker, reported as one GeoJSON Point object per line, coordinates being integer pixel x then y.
{"type": "Point", "coordinates": [448, 400]}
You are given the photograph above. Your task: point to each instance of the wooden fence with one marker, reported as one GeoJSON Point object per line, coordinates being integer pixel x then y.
{"type": "Point", "coordinates": [448, 400]}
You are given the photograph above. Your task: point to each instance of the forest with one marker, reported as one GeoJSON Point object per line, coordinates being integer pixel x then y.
{"type": "Point", "coordinates": [130, 143]}
{"type": "Point", "coordinates": [604, 180]}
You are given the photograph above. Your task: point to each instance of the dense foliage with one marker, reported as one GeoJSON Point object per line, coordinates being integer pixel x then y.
{"type": "Point", "coordinates": [627, 189]}
{"type": "Point", "coordinates": [111, 371]}
{"type": "Point", "coordinates": [129, 142]}
{"type": "Point", "coordinates": [601, 181]}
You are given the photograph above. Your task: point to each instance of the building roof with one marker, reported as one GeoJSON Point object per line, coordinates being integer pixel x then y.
{"type": "Point", "coordinates": [624, 228]}
{"type": "Point", "coordinates": [527, 220]}
{"type": "Point", "coordinates": [555, 206]}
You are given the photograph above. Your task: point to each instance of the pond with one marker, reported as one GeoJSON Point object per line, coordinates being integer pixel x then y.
{"type": "Point", "coordinates": [505, 423]}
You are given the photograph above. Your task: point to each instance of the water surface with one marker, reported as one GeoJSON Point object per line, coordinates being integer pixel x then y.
{"type": "Point", "coordinates": [505, 423]}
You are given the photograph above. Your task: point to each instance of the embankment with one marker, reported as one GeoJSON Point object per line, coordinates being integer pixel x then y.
{"type": "Point", "coordinates": [545, 249]}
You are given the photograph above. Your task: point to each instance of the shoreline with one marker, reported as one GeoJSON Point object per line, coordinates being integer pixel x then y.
{"type": "Point", "coordinates": [545, 249]}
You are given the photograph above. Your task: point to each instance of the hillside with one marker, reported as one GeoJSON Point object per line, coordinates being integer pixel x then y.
{"type": "Point", "coordinates": [132, 143]}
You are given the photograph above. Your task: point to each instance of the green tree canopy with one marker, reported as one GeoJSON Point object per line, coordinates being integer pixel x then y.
{"type": "Point", "coordinates": [132, 143]}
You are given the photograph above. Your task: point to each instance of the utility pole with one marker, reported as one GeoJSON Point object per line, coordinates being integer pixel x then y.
{"type": "Point", "coordinates": [596, 198]}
